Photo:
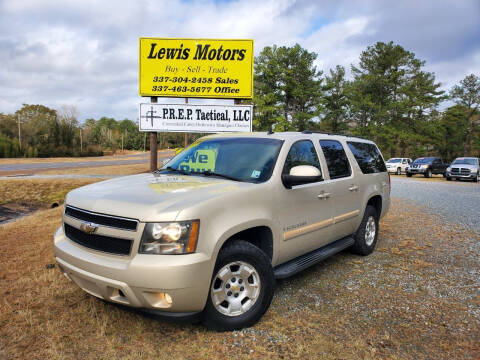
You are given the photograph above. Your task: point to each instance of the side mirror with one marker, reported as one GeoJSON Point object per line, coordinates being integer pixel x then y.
{"type": "Point", "coordinates": [302, 174]}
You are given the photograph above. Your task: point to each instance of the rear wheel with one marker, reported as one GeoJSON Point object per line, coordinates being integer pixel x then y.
{"type": "Point", "coordinates": [242, 287]}
{"type": "Point", "coordinates": [367, 233]}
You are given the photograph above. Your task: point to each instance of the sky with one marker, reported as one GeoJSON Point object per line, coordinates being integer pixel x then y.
{"type": "Point", "coordinates": [85, 53]}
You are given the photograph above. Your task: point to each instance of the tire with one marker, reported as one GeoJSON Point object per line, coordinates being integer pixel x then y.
{"type": "Point", "coordinates": [229, 285]}
{"type": "Point", "coordinates": [448, 178]}
{"type": "Point", "coordinates": [428, 173]}
{"type": "Point", "coordinates": [365, 243]}
{"type": "Point", "coordinates": [399, 171]}
{"type": "Point", "coordinates": [409, 174]}
{"type": "Point", "coordinates": [476, 178]}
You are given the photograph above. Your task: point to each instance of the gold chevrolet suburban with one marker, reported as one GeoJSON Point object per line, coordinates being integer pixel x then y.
{"type": "Point", "coordinates": [207, 234]}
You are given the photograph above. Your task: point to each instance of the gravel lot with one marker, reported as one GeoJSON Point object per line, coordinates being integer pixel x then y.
{"type": "Point", "coordinates": [458, 202]}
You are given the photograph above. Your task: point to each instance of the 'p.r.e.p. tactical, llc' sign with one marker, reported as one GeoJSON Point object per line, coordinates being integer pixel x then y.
{"type": "Point", "coordinates": [202, 68]}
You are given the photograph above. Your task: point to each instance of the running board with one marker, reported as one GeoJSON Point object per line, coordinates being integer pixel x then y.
{"type": "Point", "coordinates": [302, 262]}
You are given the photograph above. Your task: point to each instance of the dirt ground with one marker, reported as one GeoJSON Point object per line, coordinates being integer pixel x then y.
{"type": "Point", "coordinates": [416, 297]}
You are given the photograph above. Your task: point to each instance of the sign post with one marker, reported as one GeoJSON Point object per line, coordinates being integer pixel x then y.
{"type": "Point", "coordinates": [189, 68]}
{"type": "Point", "coordinates": [153, 144]}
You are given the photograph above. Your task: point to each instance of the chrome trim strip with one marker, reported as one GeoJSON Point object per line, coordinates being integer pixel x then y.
{"type": "Point", "coordinates": [346, 216]}
{"type": "Point", "coordinates": [307, 229]}
{"type": "Point", "coordinates": [104, 215]}
{"type": "Point", "coordinates": [288, 235]}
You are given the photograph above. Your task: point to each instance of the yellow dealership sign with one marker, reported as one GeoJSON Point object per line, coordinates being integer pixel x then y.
{"type": "Point", "coordinates": [203, 68]}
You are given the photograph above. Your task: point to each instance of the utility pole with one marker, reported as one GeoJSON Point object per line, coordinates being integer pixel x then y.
{"type": "Point", "coordinates": [81, 143]}
{"type": "Point", "coordinates": [19, 137]}
{"type": "Point", "coordinates": [153, 144]}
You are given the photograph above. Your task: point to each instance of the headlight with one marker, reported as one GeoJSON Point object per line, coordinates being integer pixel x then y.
{"type": "Point", "coordinates": [424, 166]}
{"type": "Point", "coordinates": [473, 170]}
{"type": "Point", "coordinates": [169, 238]}
{"type": "Point", "coordinates": [449, 169]}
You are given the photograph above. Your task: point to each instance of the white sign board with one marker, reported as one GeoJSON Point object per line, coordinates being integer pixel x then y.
{"type": "Point", "coordinates": [195, 118]}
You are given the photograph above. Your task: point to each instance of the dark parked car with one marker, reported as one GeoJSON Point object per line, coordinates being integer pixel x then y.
{"type": "Point", "coordinates": [427, 166]}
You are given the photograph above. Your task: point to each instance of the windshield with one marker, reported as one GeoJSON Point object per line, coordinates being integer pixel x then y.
{"type": "Point", "coordinates": [465, 161]}
{"type": "Point", "coordinates": [390, 161]}
{"type": "Point", "coordinates": [426, 160]}
{"type": "Point", "coordinates": [241, 159]}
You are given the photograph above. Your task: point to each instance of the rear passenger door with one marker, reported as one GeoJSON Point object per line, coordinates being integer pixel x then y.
{"type": "Point", "coordinates": [345, 191]}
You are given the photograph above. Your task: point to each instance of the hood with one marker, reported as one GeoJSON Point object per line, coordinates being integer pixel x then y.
{"type": "Point", "coordinates": [150, 197]}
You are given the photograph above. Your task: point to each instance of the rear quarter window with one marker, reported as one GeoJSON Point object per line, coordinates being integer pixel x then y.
{"type": "Point", "coordinates": [368, 157]}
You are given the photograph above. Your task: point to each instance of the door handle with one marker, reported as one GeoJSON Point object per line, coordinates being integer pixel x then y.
{"type": "Point", "coordinates": [324, 195]}
{"type": "Point", "coordinates": [353, 188]}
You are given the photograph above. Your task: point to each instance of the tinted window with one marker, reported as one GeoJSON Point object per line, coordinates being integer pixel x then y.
{"type": "Point", "coordinates": [368, 157]}
{"type": "Point", "coordinates": [337, 162]}
{"type": "Point", "coordinates": [301, 153]}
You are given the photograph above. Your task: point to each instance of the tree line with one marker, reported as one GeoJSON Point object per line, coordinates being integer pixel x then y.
{"type": "Point", "coordinates": [38, 131]}
{"type": "Point", "coordinates": [390, 98]}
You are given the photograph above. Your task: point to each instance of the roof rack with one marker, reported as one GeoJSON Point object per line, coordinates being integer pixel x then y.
{"type": "Point", "coordinates": [329, 133]}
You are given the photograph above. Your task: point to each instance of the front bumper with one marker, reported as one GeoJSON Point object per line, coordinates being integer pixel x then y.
{"type": "Point", "coordinates": [140, 281]}
{"type": "Point", "coordinates": [416, 171]}
{"type": "Point", "coordinates": [461, 176]}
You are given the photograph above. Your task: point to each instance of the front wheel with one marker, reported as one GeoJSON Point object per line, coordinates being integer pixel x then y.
{"type": "Point", "coordinates": [367, 233]}
{"type": "Point", "coordinates": [399, 171]}
{"type": "Point", "coordinates": [409, 174]}
{"type": "Point", "coordinates": [477, 178]}
{"type": "Point", "coordinates": [428, 173]}
{"type": "Point", "coordinates": [242, 287]}
{"type": "Point", "coordinates": [449, 178]}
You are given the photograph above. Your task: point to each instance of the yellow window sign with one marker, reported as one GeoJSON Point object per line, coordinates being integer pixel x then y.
{"type": "Point", "coordinates": [200, 160]}
{"type": "Point", "coordinates": [196, 68]}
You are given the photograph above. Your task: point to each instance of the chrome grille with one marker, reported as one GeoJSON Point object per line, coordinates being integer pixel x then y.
{"type": "Point", "coordinates": [102, 219]}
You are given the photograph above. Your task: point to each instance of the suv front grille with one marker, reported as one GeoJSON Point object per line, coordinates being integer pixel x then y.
{"type": "Point", "coordinates": [99, 242]}
{"type": "Point", "coordinates": [101, 219]}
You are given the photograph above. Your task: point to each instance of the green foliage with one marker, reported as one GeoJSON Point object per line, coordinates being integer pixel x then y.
{"type": "Point", "coordinates": [467, 94]}
{"type": "Point", "coordinates": [335, 102]}
{"type": "Point", "coordinates": [392, 97]}
{"type": "Point", "coordinates": [287, 89]}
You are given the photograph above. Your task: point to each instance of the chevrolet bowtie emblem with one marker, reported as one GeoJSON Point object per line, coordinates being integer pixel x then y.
{"type": "Point", "coordinates": [88, 227]}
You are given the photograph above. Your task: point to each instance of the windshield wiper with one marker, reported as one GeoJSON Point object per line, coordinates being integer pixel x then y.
{"type": "Point", "coordinates": [211, 173]}
{"type": "Point", "coordinates": [172, 169]}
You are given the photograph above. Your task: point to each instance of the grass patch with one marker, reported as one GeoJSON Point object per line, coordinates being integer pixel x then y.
{"type": "Point", "coordinates": [102, 170]}
{"type": "Point", "coordinates": [38, 192]}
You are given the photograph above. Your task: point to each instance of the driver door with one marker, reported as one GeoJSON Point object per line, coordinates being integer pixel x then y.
{"type": "Point", "coordinates": [304, 211]}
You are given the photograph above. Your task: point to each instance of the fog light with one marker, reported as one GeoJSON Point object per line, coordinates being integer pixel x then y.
{"type": "Point", "coordinates": [158, 299]}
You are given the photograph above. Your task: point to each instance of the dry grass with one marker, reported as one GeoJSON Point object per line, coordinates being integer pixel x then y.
{"type": "Point", "coordinates": [38, 192]}
{"type": "Point", "coordinates": [74, 159]}
{"type": "Point", "coordinates": [414, 298]}
{"type": "Point", "coordinates": [102, 170]}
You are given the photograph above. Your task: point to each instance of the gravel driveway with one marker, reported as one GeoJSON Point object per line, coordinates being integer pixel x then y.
{"type": "Point", "coordinates": [457, 202]}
